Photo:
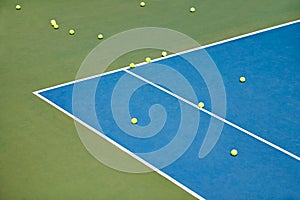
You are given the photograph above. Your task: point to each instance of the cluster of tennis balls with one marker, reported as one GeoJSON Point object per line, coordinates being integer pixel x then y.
{"type": "Point", "coordinates": [100, 36]}
{"type": "Point", "coordinates": [71, 31]}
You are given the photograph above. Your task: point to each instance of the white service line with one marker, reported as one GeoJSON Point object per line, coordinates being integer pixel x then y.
{"type": "Point", "coordinates": [215, 116]}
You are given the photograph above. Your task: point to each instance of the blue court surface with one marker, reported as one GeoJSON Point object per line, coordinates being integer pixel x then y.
{"type": "Point", "coordinates": [191, 145]}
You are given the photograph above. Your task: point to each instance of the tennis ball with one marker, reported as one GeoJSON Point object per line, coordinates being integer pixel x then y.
{"type": "Point", "coordinates": [52, 22]}
{"type": "Point", "coordinates": [18, 7]}
{"type": "Point", "coordinates": [134, 120]}
{"type": "Point", "coordinates": [201, 105]}
{"type": "Point", "coordinates": [71, 31]}
{"type": "Point", "coordinates": [192, 9]}
{"type": "Point", "coordinates": [100, 36]}
{"type": "Point", "coordinates": [132, 65]}
{"type": "Point", "coordinates": [242, 79]}
{"type": "Point", "coordinates": [55, 26]}
{"type": "Point", "coordinates": [148, 59]}
{"type": "Point", "coordinates": [142, 4]}
{"type": "Point", "coordinates": [234, 152]}
{"type": "Point", "coordinates": [164, 54]}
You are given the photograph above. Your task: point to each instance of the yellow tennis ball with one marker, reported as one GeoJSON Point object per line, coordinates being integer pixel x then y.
{"type": "Point", "coordinates": [53, 22]}
{"type": "Point", "coordinates": [201, 105]}
{"type": "Point", "coordinates": [148, 59]}
{"type": "Point", "coordinates": [234, 152]}
{"type": "Point", "coordinates": [192, 9]}
{"type": "Point", "coordinates": [132, 65]}
{"type": "Point", "coordinates": [100, 36]}
{"type": "Point", "coordinates": [18, 7]}
{"type": "Point", "coordinates": [71, 31]}
{"type": "Point", "coordinates": [134, 120]}
{"type": "Point", "coordinates": [242, 79]}
{"type": "Point", "coordinates": [142, 4]}
{"type": "Point", "coordinates": [164, 54]}
{"type": "Point", "coordinates": [55, 26]}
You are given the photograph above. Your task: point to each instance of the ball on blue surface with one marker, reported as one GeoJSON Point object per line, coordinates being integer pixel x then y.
{"type": "Point", "coordinates": [242, 79]}
{"type": "Point", "coordinates": [134, 120]}
{"type": "Point", "coordinates": [234, 152]}
{"type": "Point", "coordinates": [201, 105]}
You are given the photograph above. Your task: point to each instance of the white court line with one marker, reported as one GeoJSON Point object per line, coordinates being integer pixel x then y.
{"type": "Point", "coordinates": [215, 116]}
{"type": "Point", "coordinates": [172, 55]}
{"type": "Point", "coordinates": [121, 147]}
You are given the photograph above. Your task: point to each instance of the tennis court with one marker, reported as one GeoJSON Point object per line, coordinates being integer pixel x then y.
{"type": "Point", "coordinates": [45, 154]}
{"type": "Point", "coordinates": [189, 145]}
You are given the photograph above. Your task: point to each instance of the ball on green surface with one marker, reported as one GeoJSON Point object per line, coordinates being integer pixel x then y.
{"type": "Point", "coordinates": [242, 79]}
{"type": "Point", "coordinates": [100, 36]}
{"type": "Point", "coordinates": [164, 54]}
{"type": "Point", "coordinates": [134, 120]}
{"type": "Point", "coordinates": [234, 152]}
{"type": "Point", "coordinates": [18, 7]}
{"type": "Point", "coordinates": [55, 26]}
{"type": "Point", "coordinates": [132, 65]}
{"type": "Point", "coordinates": [53, 22]}
{"type": "Point", "coordinates": [192, 9]}
{"type": "Point", "coordinates": [201, 105]}
{"type": "Point", "coordinates": [148, 59]}
{"type": "Point", "coordinates": [142, 4]}
{"type": "Point", "coordinates": [71, 31]}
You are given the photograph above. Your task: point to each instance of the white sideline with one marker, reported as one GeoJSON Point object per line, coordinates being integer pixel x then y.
{"type": "Point", "coordinates": [122, 148]}
{"type": "Point", "coordinates": [215, 116]}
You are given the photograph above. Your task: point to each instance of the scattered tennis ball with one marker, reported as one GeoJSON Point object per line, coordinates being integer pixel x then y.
{"type": "Point", "coordinates": [134, 120]}
{"type": "Point", "coordinates": [55, 26]}
{"type": "Point", "coordinates": [234, 152]}
{"type": "Point", "coordinates": [201, 105]}
{"type": "Point", "coordinates": [132, 65]}
{"type": "Point", "coordinates": [148, 59]}
{"type": "Point", "coordinates": [242, 79]}
{"type": "Point", "coordinates": [142, 4]}
{"type": "Point", "coordinates": [52, 22]}
{"type": "Point", "coordinates": [100, 36]}
{"type": "Point", "coordinates": [164, 54]}
{"type": "Point", "coordinates": [71, 31]}
{"type": "Point", "coordinates": [18, 7]}
{"type": "Point", "coordinates": [192, 9]}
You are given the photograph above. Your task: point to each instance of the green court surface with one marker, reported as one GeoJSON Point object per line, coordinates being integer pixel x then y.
{"type": "Point", "coordinates": [41, 155]}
